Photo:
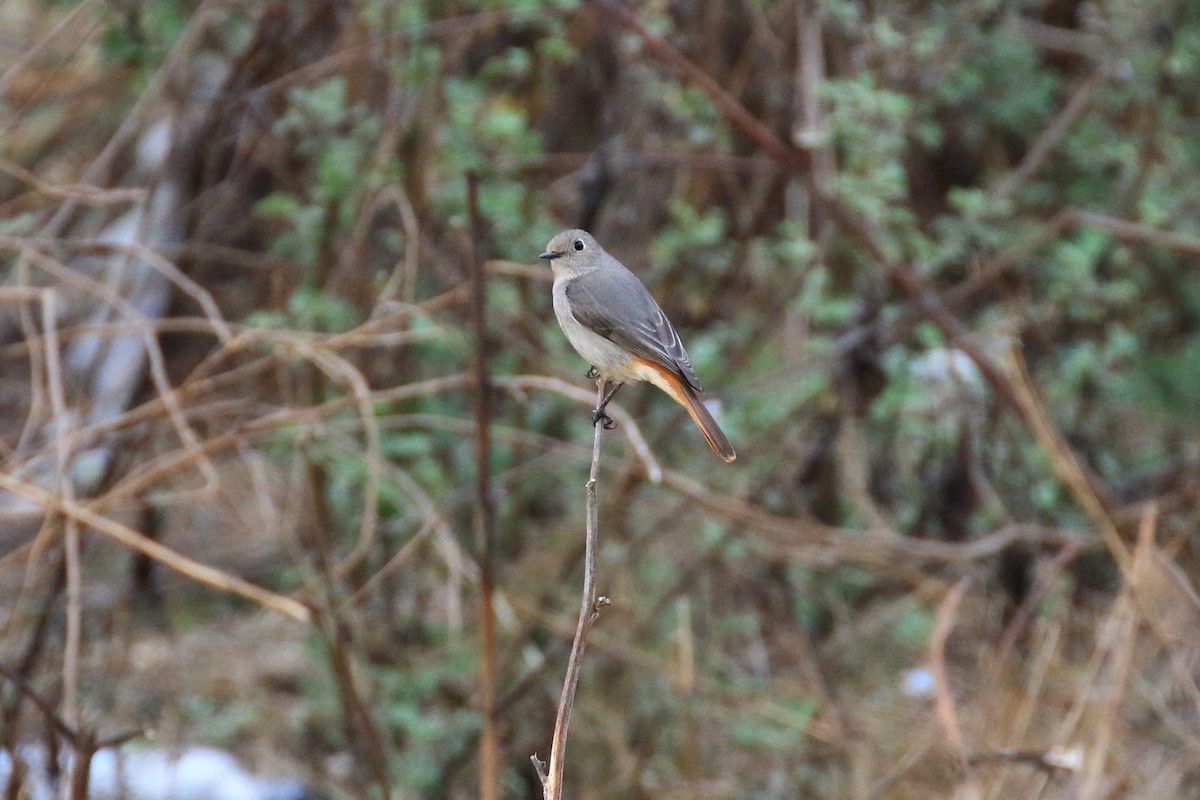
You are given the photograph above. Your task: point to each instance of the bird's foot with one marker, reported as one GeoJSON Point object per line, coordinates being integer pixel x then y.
{"type": "Point", "coordinates": [599, 416]}
{"type": "Point", "coordinates": [592, 374]}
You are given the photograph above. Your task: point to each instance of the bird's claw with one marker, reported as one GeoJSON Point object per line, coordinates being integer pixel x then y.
{"type": "Point", "coordinates": [599, 416]}
{"type": "Point", "coordinates": [592, 374]}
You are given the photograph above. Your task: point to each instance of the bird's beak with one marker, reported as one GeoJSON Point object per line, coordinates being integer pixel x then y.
{"type": "Point", "coordinates": [550, 255]}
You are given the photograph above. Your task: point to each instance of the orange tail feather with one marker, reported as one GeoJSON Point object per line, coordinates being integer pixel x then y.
{"type": "Point", "coordinates": [683, 394]}
{"type": "Point", "coordinates": [708, 426]}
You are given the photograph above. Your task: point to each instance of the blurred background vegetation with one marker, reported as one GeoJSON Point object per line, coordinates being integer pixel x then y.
{"type": "Point", "coordinates": [936, 262]}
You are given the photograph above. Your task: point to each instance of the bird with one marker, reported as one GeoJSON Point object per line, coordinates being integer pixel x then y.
{"type": "Point", "coordinates": [613, 321]}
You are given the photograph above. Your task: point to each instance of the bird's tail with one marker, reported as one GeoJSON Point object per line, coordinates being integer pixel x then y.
{"type": "Point", "coordinates": [681, 392]}
{"type": "Point", "coordinates": [708, 426]}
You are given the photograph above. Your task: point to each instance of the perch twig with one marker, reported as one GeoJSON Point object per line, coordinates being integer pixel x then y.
{"type": "Point", "coordinates": [589, 610]}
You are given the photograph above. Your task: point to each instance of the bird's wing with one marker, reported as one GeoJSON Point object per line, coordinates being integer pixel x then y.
{"type": "Point", "coordinates": [613, 303]}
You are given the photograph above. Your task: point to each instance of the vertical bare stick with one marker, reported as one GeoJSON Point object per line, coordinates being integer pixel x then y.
{"type": "Point", "coordinates": [589, 610]}
{"type": "Point", "coordinates": [61, 425]}
{"type": "Point", "coordinates": [70, 700]}
{"type": "Point", "coordinates": [942, 624]}
{"type": "Point", "coordinates": [810, 131]}
{"type": "Point", "coordinates": [81, 772]}
{"type": "Point", "coordinates": [489, 743]}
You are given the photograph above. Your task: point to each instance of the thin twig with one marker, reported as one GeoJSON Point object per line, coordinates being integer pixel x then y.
{"type": "Point", "coordinates": [164, 555]}
{"type": "Point", "coordinates": [810, 131]}
{"type": "Point", "coordinates": [1135, 231]}
{"type": "Point", "coordinates": [1067, 465]}
{"type": "Point", "coordinates": [1032, 603]}
{"type": "Point", "coordinates": [946, 713]}
{"type": "Point", "coordinates": [181, 51]}
{"type": "Point", "coordinates": [1049, 761]}
{"type": "Point", "coordinates": [82, 193]}
{"type": "Point", "coordinates": [625, 422]}
{"type": "Point", "coordinates": [588, 612]}
{"type": "Point", "coordinates": [156, 361]}
{"type": "Point", "coordinates": [81, 767]}
{"type": "Point", "coordinates": [32, 52]}
{"type": "Point", "coordinates": [942, 625]}
{"type": "Point", "coordinates": [1048, 139]}
{"type": "Point", "coordinates": [44, 706]}
{"type": "Point", "coordinates": [1116, 639]}
{"type": "Point", "coordinates": [58, 402]}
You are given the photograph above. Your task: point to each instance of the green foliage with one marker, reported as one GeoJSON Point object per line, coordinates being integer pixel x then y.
{"type": "Point", "coordinates": [784, 731]}
{"type": "Point", "coordinates": [314, 310]}
{"type": "Point", "coordinates": [417, 718]}
{"type": "Point", "coordinates": [869, 126]}
{"type": "Point", "coordinates": [913, 628]}
{"type": "Point", "coordinates": [692, 240]}
{"type": "Point", "coordinates": [339, 139]}
{"type": "Point", "coordinates": [480, 131]}
{"type": "Point", "coordinates": [818, 301]}
{"type": "Point", "coordinates": [1164, 384]}
{"type": "Point", "coordinates": [705, 128]}
{"type": "Point", "coordinates": [309, 309]}
{"type": "Point", "coordinates": [145, 34]}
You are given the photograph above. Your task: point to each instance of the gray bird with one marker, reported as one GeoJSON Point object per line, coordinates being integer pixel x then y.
{"type": "Point", "coordinates": [612, 321]}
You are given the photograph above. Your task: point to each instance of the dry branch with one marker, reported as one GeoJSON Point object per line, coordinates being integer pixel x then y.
{"type": "Point", "coordinates": [588, 612]}
{"type": "Point", "coordinates": [164, 555]}
{"type": "Point", "coordinates": [947, 714]}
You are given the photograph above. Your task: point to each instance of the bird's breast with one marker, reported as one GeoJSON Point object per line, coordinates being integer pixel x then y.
{"type": "Point", "coordinates": [609, 359]}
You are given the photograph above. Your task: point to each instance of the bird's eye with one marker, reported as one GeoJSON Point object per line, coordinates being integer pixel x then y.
{"type": "Point", "coordinates": [579, 244]}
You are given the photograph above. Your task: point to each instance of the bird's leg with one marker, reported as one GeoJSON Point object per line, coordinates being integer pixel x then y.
{"type": "Point", "coordinates": [598, 414]}
{"type": "Point", "coordinates": [592, 374]}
